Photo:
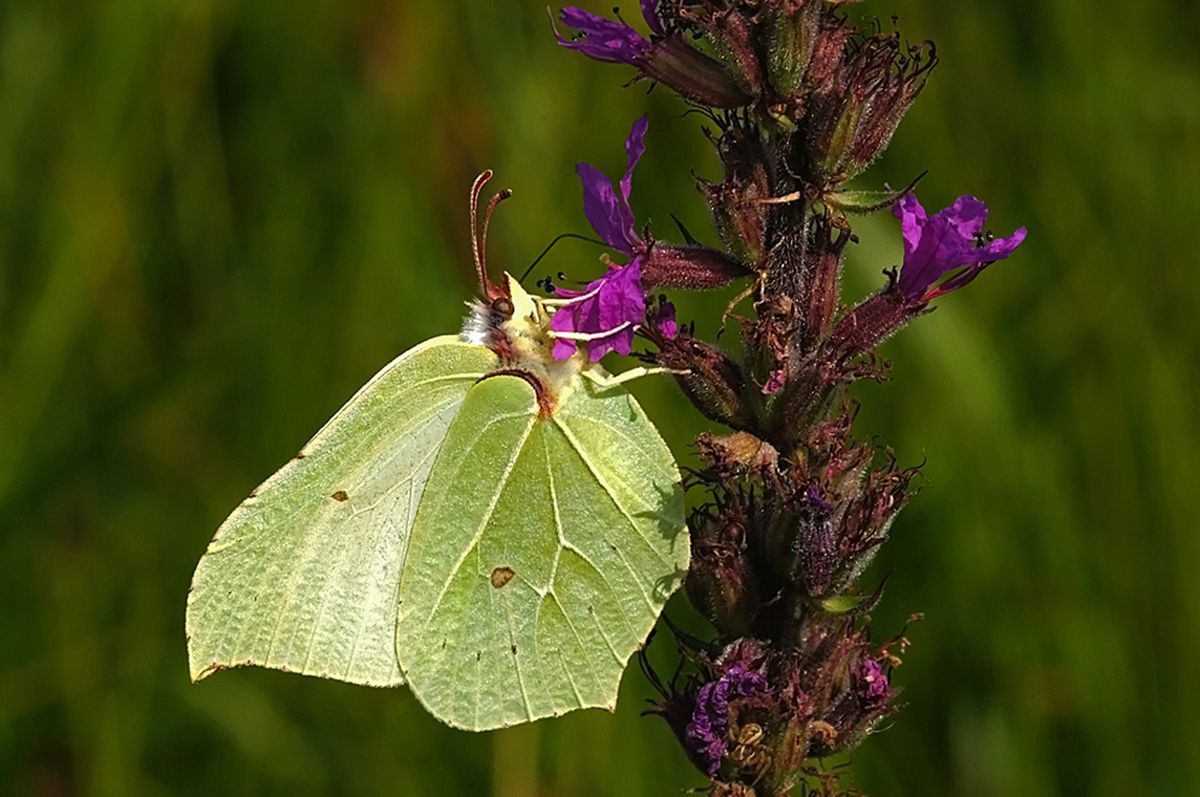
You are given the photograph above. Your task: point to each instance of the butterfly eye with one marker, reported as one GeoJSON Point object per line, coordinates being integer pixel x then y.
{"type": "Point", "coordinates": [503, 307]}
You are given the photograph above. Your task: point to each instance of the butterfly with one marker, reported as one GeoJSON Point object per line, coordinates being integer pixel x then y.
{"type": "Point", "coordinates": [493, 526]}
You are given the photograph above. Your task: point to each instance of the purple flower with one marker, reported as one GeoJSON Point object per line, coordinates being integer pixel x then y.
{"type": "Point", "coordinates": [602, 316]}
{"type": "Point", "coordinates": [775, 382]}
{"type": "Point", "coordinates": [650, 12]}
{"type": "Point", "coordinates": [662, 318]}
{"type": "Point", "coordinates": [875, 683]}
{"type": "Point", "coordinates": [817, 501]}
{"type": "Point", "coordinates": [607, 209]}
{"type": "Point", "coordinates": [665, 57]}
{"type": "Point", "coordinates": [709, 727]}
{"type": "Point", "coordinates": [608, 39]}
{"type": "Point", "coordinates": [951, 241]}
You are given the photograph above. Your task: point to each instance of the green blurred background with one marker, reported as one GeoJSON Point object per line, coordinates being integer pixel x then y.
{"type": "Point", "coordinates": [218, 219]}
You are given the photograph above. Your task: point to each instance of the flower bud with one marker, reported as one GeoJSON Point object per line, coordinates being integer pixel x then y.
{"type": "Point", "coordinates": [720, 582]}
{"type": "Point", "coordinates": [866, 520]}
{"type": "Point", "coordinates": [768, 345]}
{"type": "Point", "coordinates": [694, 75]}
{"type": "Point", "coordinates": [863, 87]}
{"type": "Point", "coordinates": [689, 267]}
{"type": "Point", "coordinates": [791, 35]}
{"type": "Point", "coordinates": [740, 216]}
{"type": "Point", "coordinates": [816, 550]}
{"type": "Point", "coordinates": [666, 56]}
{"type": "Point", "coordinates": [733, 38]}
{"type": "Point", "coordinates": [713, 381]}
{"type": "Point", "coordinates": [873, 321]}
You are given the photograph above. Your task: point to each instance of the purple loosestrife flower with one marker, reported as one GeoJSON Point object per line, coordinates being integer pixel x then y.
{"type": "Point", "coordinates": [950, 240]}
{"type": "Point", "coordinates": [875, 689]}
{"type": "Point", "coordinates": [607, 210]}
{"type": "Point", "coordinates": [942, 253]}
{"type": "Point", "coordinates": [665, 57]}
{"type": "Point", "coordinates": [650, 12]}
{"type": "Point", "coordinates": [604, 315]}
{"type": "Point", "coordinates": [662, 318]}
{"type": "Point", "coordinates": [775, 382]}
{"type": "Point", "coordinates": [707, 733]}
{"type": "Point", "coordinates": [608, 39]}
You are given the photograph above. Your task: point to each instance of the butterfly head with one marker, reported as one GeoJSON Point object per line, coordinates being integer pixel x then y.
{"type": "Point", "coordinates": [508, 319]}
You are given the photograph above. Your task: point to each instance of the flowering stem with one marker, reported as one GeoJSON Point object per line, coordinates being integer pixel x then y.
{"type": "Point", "coordinates": [794, 507]}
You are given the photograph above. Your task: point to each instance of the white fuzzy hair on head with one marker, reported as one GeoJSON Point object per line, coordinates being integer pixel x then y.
{"type": "Point", "coordinates": [477, 325]}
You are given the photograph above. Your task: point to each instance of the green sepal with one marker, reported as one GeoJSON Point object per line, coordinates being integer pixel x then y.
{"type": "Point", "coordinates": [862, 202]}
{"type": "Point", "coordinates": [852, 605]}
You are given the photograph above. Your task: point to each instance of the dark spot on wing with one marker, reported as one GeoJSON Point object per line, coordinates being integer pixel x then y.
{"type": "Point", "coordinates": [514, 650]}
{"type": "Point", "coordinates": [501, 576]}
{"type": "Point", "coordinates": [478, 655]}
{"type": "Point", "coordinates": [301, 455]}
{"type": "Point", "coordinates": [340, 495]}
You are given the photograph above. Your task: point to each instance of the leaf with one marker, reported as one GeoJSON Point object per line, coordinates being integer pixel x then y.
{"type": "Point", "coordinates": [543, 552]}
{"type": "Point", "coordinates": [685, 232]}
{"type": "Point", "coordinates": [853, 605]}
{"type": "Point", "coordinates": [303, 575]}
{"type": "Point", "coordinates": [855, 201]}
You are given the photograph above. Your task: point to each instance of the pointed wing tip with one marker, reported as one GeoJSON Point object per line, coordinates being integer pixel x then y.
{"type": "Point", "coordinates": [199, 672]}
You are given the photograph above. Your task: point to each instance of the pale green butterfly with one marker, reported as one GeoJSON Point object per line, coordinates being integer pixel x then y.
{"type": "Point", "coordinates": [496, 528]}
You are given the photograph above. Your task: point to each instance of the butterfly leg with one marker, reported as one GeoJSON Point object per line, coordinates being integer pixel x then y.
{"type": "Point", "coordinates": [607, 381]}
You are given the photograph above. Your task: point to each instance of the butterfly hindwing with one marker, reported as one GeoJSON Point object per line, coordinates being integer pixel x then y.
{"type": "Point", "coordinates": [303, 575]}
{"type": "Point", "coordinates": [542, 553]}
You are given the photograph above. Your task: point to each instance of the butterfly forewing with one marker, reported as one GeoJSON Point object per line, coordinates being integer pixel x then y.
{"type": "Point", "coordinates": [541, 555]}
{"type": "Point", "coordinates": [303, 575]}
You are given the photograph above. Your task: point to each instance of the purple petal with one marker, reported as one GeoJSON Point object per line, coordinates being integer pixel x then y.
{"type": "Point", "coordinates": [563, 322]}
{"type": "Point", "coordinates": [603, 39]}
{"type": "Point", "coordinates": [610, 308]}
{"type": "Point", "coordinates": [912, 218]}
{"type": "Point", "coordinates": [775, 382]}
{"type": "Point", "coordinates": [996, 249]}
{"type": "Point", "coordinates": [635, 145]}
{"type": "Point", "coordinates": [942, 244]}
{"type": "Point", "coordinates": [1000, 248]}
{"type": "Point", "coordinates": [966, 215]}
{"type": "Point", "coordinates": [607, 211]}
{"type": "Point", "coordinates": [709, 726]}
{"type": "Point", "coordinates": [650, 12]}
{"type": "Point", "coordinates": [664, 319]}
{"type": "Point", "coordinates": [875, 683]}
{"type": "Point", "coordinates": [817, 501]}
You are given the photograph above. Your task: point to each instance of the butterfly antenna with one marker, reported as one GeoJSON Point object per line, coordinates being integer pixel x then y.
{"type": "Point", "coordinates": [476, 248]}
{"type": "Point", "coordinates": [479, 233]}
{"type": "Point", "coordinates": [550, 246]}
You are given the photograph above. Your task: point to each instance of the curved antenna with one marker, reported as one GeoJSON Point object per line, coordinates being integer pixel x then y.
{"type": "Point", "coordinates": [491, 291]}
{"type": "Point", "coordinates": [476, 248]}
{"type": "Point", "coordinates": [550, 246]}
